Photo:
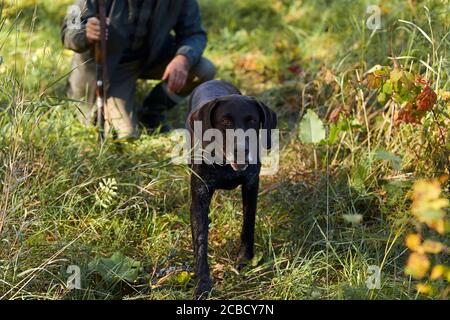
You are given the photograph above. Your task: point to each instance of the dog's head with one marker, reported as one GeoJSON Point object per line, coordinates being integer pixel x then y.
{"type": "Point", "coordinates": [239, 115]}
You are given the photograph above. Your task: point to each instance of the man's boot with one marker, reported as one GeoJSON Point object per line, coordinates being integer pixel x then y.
{"type": "Point", "coordinates": [152, 113]}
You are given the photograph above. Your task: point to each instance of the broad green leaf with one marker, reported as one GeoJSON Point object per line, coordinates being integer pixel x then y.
{"type": "Point", "coordinates": [311, 128]}
{"type": "Point", "coordinates": [395, 161]}
{"type": "Point", "coordinates": [116, 268]}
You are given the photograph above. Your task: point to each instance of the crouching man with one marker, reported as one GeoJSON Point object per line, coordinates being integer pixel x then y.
{"type": "Point", "coordinates": [146, 39]}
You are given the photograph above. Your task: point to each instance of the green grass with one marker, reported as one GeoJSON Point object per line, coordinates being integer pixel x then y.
{"type": "Point", "coordinates": [51, 209]}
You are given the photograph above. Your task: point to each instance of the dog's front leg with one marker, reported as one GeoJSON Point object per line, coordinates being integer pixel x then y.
{"type": "Point", "coordinates": [201, 199]}
{"type": "Point", "coordinates": [249, 199]}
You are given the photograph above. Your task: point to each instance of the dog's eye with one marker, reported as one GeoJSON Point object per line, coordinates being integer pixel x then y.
{"type": "Point", "coordinates": [251, 121]}
{"type": "Point", "coordinates": [227, 122]}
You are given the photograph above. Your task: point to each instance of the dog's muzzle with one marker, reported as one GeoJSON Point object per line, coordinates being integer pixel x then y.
{"type": "Point", "coordinates": [238, 167]}
{"type": "Point", "coordinates": [241, 165]}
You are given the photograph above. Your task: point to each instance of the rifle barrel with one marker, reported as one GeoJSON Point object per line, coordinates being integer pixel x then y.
{"type": "Point", "coordinates": [100, 59]}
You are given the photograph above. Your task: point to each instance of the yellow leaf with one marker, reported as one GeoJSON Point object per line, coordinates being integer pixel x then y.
{"type": "Point", "coordinates": [426, 190]}
{"type": "Point", "coordinates": [437, 272]}
{"type": "Point", "coordinates": [373, 82]}
{"type": "Point", "coordinates": [417, 265]}
{"type": "Point", "coordinates": [413, 241]}
{"type": "Point", "coordinates": [433, 247]}
{"type": "Point", "coordinates": [438, 225]}
{"type": "Point", "coordinates": [428, 205]}
{"type": "Point", "coordinates": [396, 75]}
{"type": "Point", "coordinates": [445, 95]}
{"type": "Point", "coordinates": [443, 178]}
{"type": "Point", "coordinates": [423, 288]}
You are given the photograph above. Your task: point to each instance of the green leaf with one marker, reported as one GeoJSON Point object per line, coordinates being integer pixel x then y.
{"type": "Point", "coordinates": [396, 191]}
{"type": "Point", "coordinates": [387, 87]}
{"type": "Point", "coordinates": [395, 161]}
{"type": "Point", "coordinates": [335, 129]}
{"type": "Point", "coordinates": [183, 278]}
{"type": "Point", "coordinates": [396, 75]}
{"type": "Point", "coordinates": [116, 268]}
{"type": "Point", "coordinates": [408, 80]}
{"type": "Point", "coordinates": [359, 174]}
{"type": "Point", "coordinates": [379, 70]}
{"type": "Point", "coordinates": [381, 97]}
{"type": "Point", "coordinates": [349, 124]}
{"type": "Point", "coordinates": [334, 133]}
{"type": "Point", "coordinates": [375, 68]}
{"type": "Point", "coordinates": [311, 128]}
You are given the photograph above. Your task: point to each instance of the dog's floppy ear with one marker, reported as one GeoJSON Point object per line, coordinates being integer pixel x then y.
{"type": "Point", "coordinates": [202, 114]}
{"type": "Point", "coordinates": [269, 123]}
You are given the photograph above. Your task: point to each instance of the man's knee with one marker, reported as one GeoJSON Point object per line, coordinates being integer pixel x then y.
{"type": "Point", "coordinates": [204, 70]}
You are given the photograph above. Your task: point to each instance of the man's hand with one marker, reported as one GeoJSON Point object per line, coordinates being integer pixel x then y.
{"type": "Point", "coordinates": [176, 73]}
{"type": "Point", "coordinates": [93, 29]}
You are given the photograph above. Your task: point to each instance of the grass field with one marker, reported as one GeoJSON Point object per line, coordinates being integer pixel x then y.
{"type": "Point", "coordinates": [334, 208]}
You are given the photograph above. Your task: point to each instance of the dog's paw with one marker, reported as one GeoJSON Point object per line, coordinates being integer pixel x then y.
{"type": "Point", "coordinates": [243, 259]}
{"type": "Point", "coordinates": [202, 289]}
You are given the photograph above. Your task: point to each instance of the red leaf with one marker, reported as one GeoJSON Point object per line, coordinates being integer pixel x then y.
{"type": "Point", "coordinates": [406, 115]}
{"type": "Point", "coordinates": [426, 99]}
{"type": "Point", "coordinates": [295, 69]}
{"type": "Point", "coordinates": [334, 115]}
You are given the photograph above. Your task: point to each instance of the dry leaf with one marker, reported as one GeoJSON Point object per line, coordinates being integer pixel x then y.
{"type": "Point", "coordinates": [334, 115]}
